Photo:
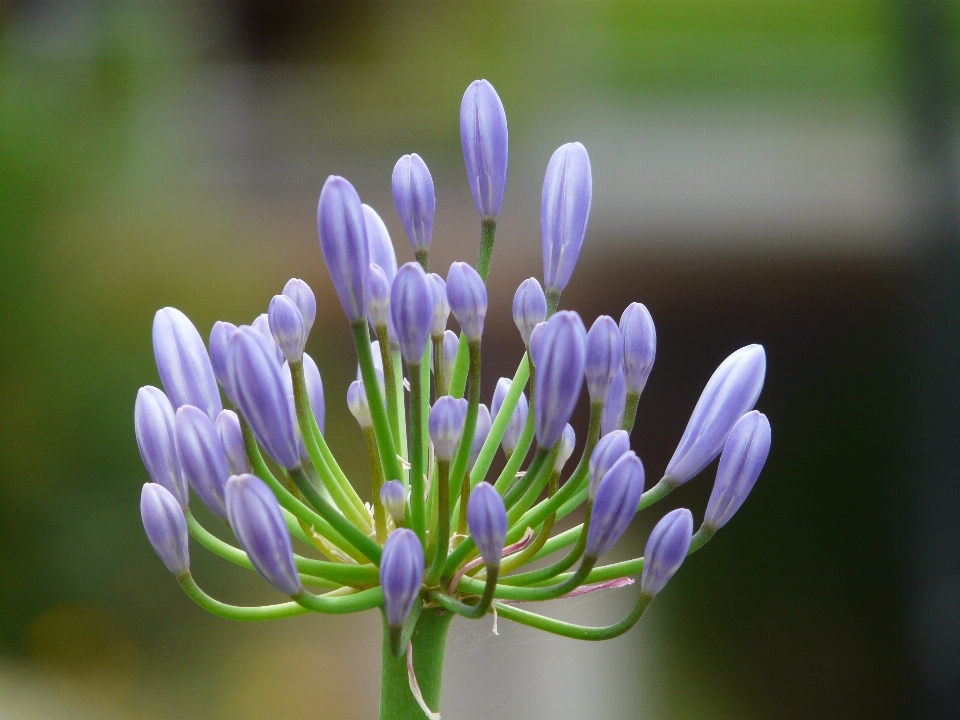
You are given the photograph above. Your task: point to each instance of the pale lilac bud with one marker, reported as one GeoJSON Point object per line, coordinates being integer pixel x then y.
{"type": "Point", "coordinates": [219, 337]}
{"type": "Point", "coordinates": [615, 406]}
{"type": "Point", "coordinates": [380, 246]}
{"type": "Point", "coordinates": [311, 378]}
{"type": "Point", "coordinates": [468, 299]}
{"type": "Point", "coordinates": [183, 363]}
{"type": "Point", "coordinates": [484, 423]}
{"type": "Point", "coordinates": [666, 549]}
{"type": "Point", "coordinates": [166, 527]}
{"type": "Point", "coordinates": [742, 459]}
{"type": "Point", "coordinates": [732, 390]}
{"type": "Point", "coordinates": [560, 359]}
{"type": "Point", "coordinates": [255, 376]}
{"type": "Point", "coordinates": [394, 500]}
{"type": "Point", "coordinates": [411, 307]}
{"type": "Point", "coordinates": [377, 359]}
{"type": "Point", "coordinates": [639, 346]}
{"type": "Point", "coordinates": [287, 327]}
{"type": "Point", "coordinates": [358, 403]}
{"type": "Point", "coordinates": [415, 199]}
{"type": "Point", "coordinates": [441, 307]}
{"type": "Point", "coordinates": [529, 307]}
{"type": "Point", "coordinates": [568, 441]}
{"type": "Point", "coordinates": [518, 419]}
{"type": "Point", "coordinates": [258, 523]}
{"type": "Point", "coordinates": [401, 573]}
{"type": "Point", "coordinates": [343, 240]}
{"type": "Point", "coordinates": [534, 345]}
{"type": "Point", "coordinates": [378, 310]}
{"type": "Point", "coordinates": [615, 504]}
{"type": "Point", "coordinates": [604, 357]}
{"type": "Point", "coordinates": [487, 520]}
{"type": "Point", "coordinates": [483, 134]}
{"type": "Point", "coordinates": [302, 296]}
{"type": "Point", "coordinates": [262, 325]}
{"type": "Point", "coordinates": [608, 450]}
{"type": "Point", "coordinates": [446, 426]}
{"type": "Point", "coordinates": [202, 460]}
{"type": "Point", "coordinates": [564, 210]}
{"type": "Point", "coordinates": [231, 438]}
{"type": "Point", "coordinates": [154, 424]}
{"type": "Point", "coordinates": [450, 344]}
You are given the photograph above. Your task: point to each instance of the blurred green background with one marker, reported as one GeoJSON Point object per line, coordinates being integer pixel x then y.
{"type": "Point", "coordinates": [774, 171]}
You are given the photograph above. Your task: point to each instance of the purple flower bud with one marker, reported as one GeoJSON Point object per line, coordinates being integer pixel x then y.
{"type": "Point", "coordinates": [608, 450]}
{"type": "Point", "coordinates": [377, 359]}
{"type": "Point", "coordinates": [534, 345]}
{"type": "Point", "coordinates": [219, 337]}
{"type": "Point", "coordinates": [394, 499]}
{"type": "Point", "coordinates": [604, 357]}
{"type": "Point", "coordinates": [415, 199]}
{"type": "Point", "coordinates": [468, 299]}
{"type": "Point", "coordinates": [666, 549]}
{"type": "Point", "coordinates": [615, 504]}
{"type": "Point", "coordinates": [257, 522]}
{"type": "Point", "coordinates": [183, 363]}
{"type": "Point", "coordinates": [639, 346]}
{"type": "Point", "coordinates": [358, 403]}
{"type": "Point", "coordinates": [484, 423]}
{"type": "Point", "coordinates": [302, 296]}
{"type": "Point", "coordinates": [518, 419]}
{"type": "Point", "coordinates": [311, 377]}
{"type": "Point", "coordinates": [742, 459]}
{"type": "Point", "coordinates": [560, 360]}
{"type": "Point", "coordinates": [154, 424]}
{"type": "Point", "coordinates": [568, 441]}
{"type": "Point", "coordinates": [202, 460]}
{"type": "Point", "coordinates": [564, 209]}
{"type": "Point", "coordinates": [166, 527]}
{"type": "Point", "coordinates": [379, 244]}
{"type": "Point", "coordinates": [411, 306]}
{"type": "Point", "coordinates": [487, 520]}
{"type": "Point", "coordinates": [343, 240]}
{"type": "Point", "coordinates": [732, 390]}
{"type": "Point", "coordinates": [450, 344]}
{"type": "Point", "coordinates": [378, 310]}
{"type": "Point", "coordinates": [529, 307]}
{"type": "Point", "coordinates": [441, 308]}
{"type": "Point", "coordinates": [615, 406]}
{"type": "Point", "coordinates": [287, 327]}
{"type": "Point", "coordinates": [258, 386]}
{"type": "Point", "coordinates": [483, 134]}
{"type": "Point", "coordinates": [262, 325]}
{"type": "Point", "coordinates": [446, 425]}
{"type": "Point", "coordinates": [231, 438]}
{"type": "Point", "coordinates": [401, 573]}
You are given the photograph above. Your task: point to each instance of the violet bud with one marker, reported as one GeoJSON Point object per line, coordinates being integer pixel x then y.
{"type": "Point", "coordinates": [483, 134]}
{"type": "Point", "coordinates": [450, 345]}
{"type": "Point", "coordinates": [639, 346]}
{"type": "Point", "coordinates": [311, 378]}
{"type": "Point", "coordinates": [380, 245]}
{"type": "Point", "coordinates": [219, 337]}
{"type": "Point", "coordinates": [302, 296]}
{"type": "Point", "coordinates": [441, 307]}
{"type": "Point", "coordinates": [608, 450]}
{"type": "Point", "coordinates": [401, 573]}
{"type": "Point", "coordinates": [742, 459]}
{"type": "Point", "coordinates": [262, 325]}
{"type": "Point", "coordinates": [184, 365]}
{"type": "Point", "coordinates": [343, 240]}
{"type": "Point", "coordinates": [604, 357]}
{"type": "Point", "coordinates": [154, 424]}
{"type": "Point", "coordinates": [411, 307]}
{"type": "Point", "coordinates": [377, 359]}
{"type": "Point", "coordinates": [534, 344]}
{"type": "Point", "coordinates": [394, 500]}
{"type": "Point", "coordinates": [560, 359]}
{"type": "Point", "coordinates": [484, 423]}
{"type": "Point", "coordinates": [518, 419]}
{"type": "Point", "coordinates": [202, 460]}
{"type": "Point", "coordinates": [257, 383]}
{"type": "Point", "coordinates": [378, 310]}
{"type": "Point", "coordinates": [615, 504]}
{"type": "Point", "coordinates": [666, 549]}
{"type": "Point", "coordinates": [258, 523]}
{"type": "Point", "coordinates": [415, 199]}
{"type": "Point", "coordinates": [529, 307]}
{"type": "Point", "coordinates": [166, 527]}
{"type": "Point", "coordinates": [445, 425]}
{"type": "Point", "coordinates": [615, 406]}
{"type": "Point", "coordinates": [568, 441]}
{"type": "Point", "coordinates": [564, 210]}
{"type": "Point", "coordinates": [732, 390]}
{"type": "Point", "coordinates": [468, 299]}
{"type": "Point", "coordinates": [358, 403]}
{"type": "Point", "coordinates": [287, 327]}
{"type": "Point", "coordinates": [487, 520]}
{"type": "Point", "coordinates": [231, 438]}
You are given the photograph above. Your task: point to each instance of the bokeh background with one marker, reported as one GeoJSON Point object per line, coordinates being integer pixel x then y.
{"type": "Point", "coordinates": [774, 171]}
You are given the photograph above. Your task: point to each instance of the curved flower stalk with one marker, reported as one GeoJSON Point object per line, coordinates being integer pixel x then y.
{"type": "Point", "coordinates": [443, 536]}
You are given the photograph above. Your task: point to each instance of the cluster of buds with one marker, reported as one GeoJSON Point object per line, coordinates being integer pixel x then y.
{"type": "Point", "coordinates": [441, 531]}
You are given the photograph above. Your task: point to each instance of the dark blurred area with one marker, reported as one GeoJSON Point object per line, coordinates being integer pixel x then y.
{"type": "Point", "coordinates": [773, 171]}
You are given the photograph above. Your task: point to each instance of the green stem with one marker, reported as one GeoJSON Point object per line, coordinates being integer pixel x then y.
{"type": "Point", "coordinates": [439, 384]}
{"type": "Point", "coordinates": [389, 383]}
{"type": "Point", "coordinates": [381, 426]}
{"type": "Point", "coordinates": [459, 466]}
{"type": "Point", "coordinates": [566, 562]}
{"type": "Point", "coordinates": [342, 604]}
{"type": "Point", "coordinates": [423, 257]}
{"type": "Point", "coordinates": [398, 391]}
{"type": "Point", "coordinates": [429, 641]}
{"type": "Point", "coordinates": [488, 231]}
{"type": "Point", "coordinates": [443, 523]}
{"type": "Point", "coordinates": [235, 612]}
{"type": "Point", "coordinates": [417, 509]}
{"type": "Point", "coordinates": [471, 612]}
{"type": "Point", "coordinates": [534, 470]}
{"type": "Point", "coordinates": [458, 379]}
{"type": "Point", "coordinates": [577, 632]}
{"type": "Point", "coordinates": [534, 487]}
{"type": "Point", "coordinates": [499, 427]}
{"type": "Point", "coordinates": [630, 412]}
{"type": "Point", "coordinates": [526, 555]}
{"type": "Point", "coordinates": [553, 302]}
{"type": "Point", "coordinates": [376, 482]}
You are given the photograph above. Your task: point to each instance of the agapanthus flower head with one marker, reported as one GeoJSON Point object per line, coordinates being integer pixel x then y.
{"type": "Point", "coordinates": [411, 307]}
{"type": "Point", "coordinates": [615, 406]}
{"type": "Point", "coordinates": [615, 504]}
{"type": "Point", "coordinates": [445, 425]}
{"type": "Point", "coordinates": [202, 459]}
{"type": "Point", "coordinates": [343, 240]}
{"type": "Point", "coordinates": [568, 440]}
{"type": "Point", "coordinates": [155, 427]}
{"type": "Point", "coordinates": [608, 450]}
{"type": "Point", "coordinates": [518, 418]}
{"type": "Point", "coordinates": [231, 438]}
{"type": "Point", "coordinates": [166, 527]}
{"type": "Point", "coordinates": [639, 346]}
{"type": "Point", "coordinates": [379, 244]}
{"type": "Point", "coordinates": [741, 461]}
{"type": "Point", "coordinates": [441, 306]}
{"type": "Point", "coordinates": [666, 549]}
{"type": "Point", "coordinates": [564, 210]}
{"type": "Point", "coordinates": [257, 521]}
{"type": "Point", "coordinates": [416, 201]}
{"type": "Point", "coordinates": [311, 378]}
{"type": "Point", "coordinates": [378, 309]}
{"type": "Point", "coordinates": [484, 423]}
{"type": "Point", "coordinates": [732, 390]}
{"type": "Point", "coordinates": [302, 296]}
{"type": "Point", "coordinates": [394, 499]}
{"type": "Point", "coordinates": [287, 327]}
{"type": "Point", "coordinates": [183, 363]}
{"type": "Point", "coordinates": [219, 337]}
{"type": "Point", "coordinates": [529, 307]}
{"type": "Point", "coordinates": [487, 519]}
{"type": "Point", "coordinates": [559, 361]}
{"type": "Point", "coordinates": [483, 134]}
{"type": "Point", "coordinates": [467, 295]}
{"type": "Point", "coordinates": [401, 573]}
{"type": "Point", "coordinates": [604, 357]}
{"type": "Point", "coordinates": [450, 345]}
